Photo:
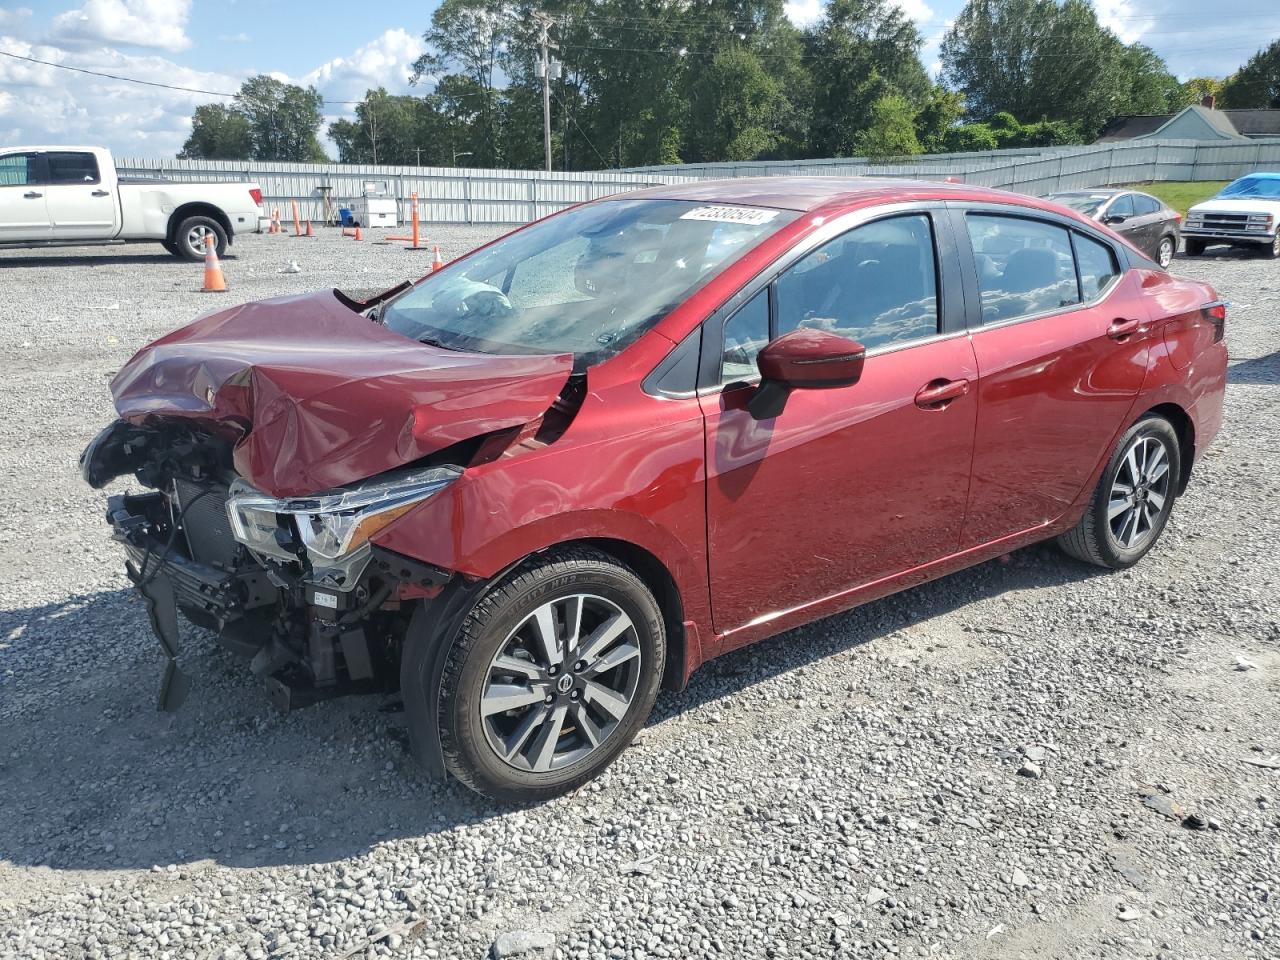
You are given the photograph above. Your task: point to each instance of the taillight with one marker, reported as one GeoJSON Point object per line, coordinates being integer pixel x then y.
{"type": "Point", "coordinates": [256, 194]}
{"type": "Point", "coordinates": [1177, 217]}
{"type": "Point", "coordinates": [1216, 313]}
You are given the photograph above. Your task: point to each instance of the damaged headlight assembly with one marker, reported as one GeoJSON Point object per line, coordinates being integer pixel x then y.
{"type": "Point", "coordinates": [332, 527]}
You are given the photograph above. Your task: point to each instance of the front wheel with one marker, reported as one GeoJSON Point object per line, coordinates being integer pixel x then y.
{"type": "Point", "coordinates": [1133, 499]}
{"type": "Point", "coordinates": [1273, 251]}
{"type": "Point", "coordinates": [551, 676]}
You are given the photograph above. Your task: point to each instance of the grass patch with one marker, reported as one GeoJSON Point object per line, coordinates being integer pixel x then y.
{"type": "Point", "coordinates": [1182, 195]}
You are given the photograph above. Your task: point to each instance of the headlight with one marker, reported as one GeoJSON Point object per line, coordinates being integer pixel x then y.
{"type": "Point", "coordinates": [330, 525]}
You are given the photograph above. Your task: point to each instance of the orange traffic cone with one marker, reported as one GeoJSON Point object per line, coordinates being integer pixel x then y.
{"type": "Point", "coordinates": [310, 232]}
{"type": "Point", "coordinates": [436, 261]}
{"type": "Point", "coordinates": [358, 235]}
{"type": "Point", "coordinates": [214, 281]}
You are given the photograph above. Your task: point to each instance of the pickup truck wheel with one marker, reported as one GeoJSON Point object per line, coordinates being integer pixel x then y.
{"type": "Point", "coordinates": [1194, 247]}
{"type": "Point", "coordinates": [552, 674]}
{"type": "Point", "coordinates": [194, 232]}
{"type": "Point", "coordinates": [1273, 251]}
{"type": "Point", "coordinates": [171, 247]}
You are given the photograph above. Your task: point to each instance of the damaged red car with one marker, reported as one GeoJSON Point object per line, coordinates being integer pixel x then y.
{"type": "Point", "coordinates": [535, 487]}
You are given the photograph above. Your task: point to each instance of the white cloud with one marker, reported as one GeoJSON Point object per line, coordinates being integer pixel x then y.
{"type": "Point", "coordinates": [917, 10]}
{"type": "Point", "coordinates": [14, 19]}
{"type": "Point", "coordinates": [141, 23]}
{"type": "Point", "coordinates": [803, 12]}
{"type": "Point", "coordinates": [241, 37]}
{"type": "Point", "coordinates": [49, 105]}
{"type": "Point", "coordinates": [384, 62]}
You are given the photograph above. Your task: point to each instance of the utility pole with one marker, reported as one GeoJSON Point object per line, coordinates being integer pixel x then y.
{"type": "Point", "coordinates": [544, 24]}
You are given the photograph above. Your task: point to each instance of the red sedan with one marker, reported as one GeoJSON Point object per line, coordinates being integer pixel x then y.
{"type": "Point", "coordinates": [529, 490]}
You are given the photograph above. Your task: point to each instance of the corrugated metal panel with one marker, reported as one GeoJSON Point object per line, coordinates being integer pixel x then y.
{"type": "Point", "coordinates": [466, 195]}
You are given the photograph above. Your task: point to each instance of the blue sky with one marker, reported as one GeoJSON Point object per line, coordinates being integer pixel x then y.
{"type": "Point", "coordinates": [344, 48]}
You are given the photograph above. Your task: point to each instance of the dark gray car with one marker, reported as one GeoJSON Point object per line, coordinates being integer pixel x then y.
{"type": "Point", "coordinates": [1140, 218]}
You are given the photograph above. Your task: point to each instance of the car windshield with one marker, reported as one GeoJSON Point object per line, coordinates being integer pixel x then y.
{"type": "Point", "coordinates": [588, 282]}
{"type": "Point", "coordinates": [1266, 187]}
{"type": "Point", "coordinates": [1086, 203]}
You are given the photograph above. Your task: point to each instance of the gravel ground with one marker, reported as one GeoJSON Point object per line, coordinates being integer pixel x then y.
{"type": "Point", "coordinates": [995, 765]}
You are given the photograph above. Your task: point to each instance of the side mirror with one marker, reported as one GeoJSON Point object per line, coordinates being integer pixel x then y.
{"type": "Point", "coordinates": [805, 359]}
{"type": "Point", "coordinates": [1113, 218]}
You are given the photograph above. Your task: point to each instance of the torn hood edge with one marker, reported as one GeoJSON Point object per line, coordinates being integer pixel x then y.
{"type": "Point", "coordinates": [315, 396]}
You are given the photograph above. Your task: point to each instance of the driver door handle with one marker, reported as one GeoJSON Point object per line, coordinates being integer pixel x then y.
{"type": "Point", "coordinates": [937, 394]}
{"type": "Point", "coordinates": [1121, 328]}
{"type": "Point", "coordinates": [100, 193]}
{"type": "Point", "coordinates": [33, 195]}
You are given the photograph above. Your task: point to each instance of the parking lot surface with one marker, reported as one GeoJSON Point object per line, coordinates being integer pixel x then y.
{"type": "Point", "coordinates": [851, 788]}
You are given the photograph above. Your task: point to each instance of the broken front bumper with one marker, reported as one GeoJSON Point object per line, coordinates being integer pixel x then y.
{"type": "Point", "coordinates": [168, 579]}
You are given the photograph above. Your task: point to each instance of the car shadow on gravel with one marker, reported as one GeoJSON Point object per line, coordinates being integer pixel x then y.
{"type": "Point", "coordinates": [93, 778]}
{"type": "Point", "coordinates": [104, 259]}
{"type": "Point", "coordinates": [1259, 370]}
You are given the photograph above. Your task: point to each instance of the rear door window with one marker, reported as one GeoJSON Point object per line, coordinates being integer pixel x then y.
{"type": "Point", "coordinates": [1025, 266]}
{"type": "Point", "coordinates": [1098, 267]}
{"type": "Point", "coordinates": [1144, 206]}
{"type": "Point", "coordinates": [67, 168]}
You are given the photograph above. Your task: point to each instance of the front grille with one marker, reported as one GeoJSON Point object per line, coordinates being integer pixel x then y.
{"type": "Point", "coordinates": [205, 523]}
{"type": "Point", "coordinates": [1223, 221]}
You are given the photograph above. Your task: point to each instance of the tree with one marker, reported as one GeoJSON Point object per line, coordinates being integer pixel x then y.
{"type": "Point", "coordinates": [283, 119]}
{"type": "Point", "coordinates": [1257, 83]}
{"type": "Point", "coordinates": [892, 132]}
{"type": "Point", "coordinates": [858, 53]}
{"type": "Point", "coordinates": [937, 118]}
{"type": "Point", "coordinates": [1197, 89]}
{"type": "Point", "coordinates": [393, 130]}
{"type": "Point", "coordinates": [733, 109]}
{"type": "Point", "coordinates": [970, 138]}
{"type": "Point", "coordinates": [218, 132]}
{"type": "Point", "coordinates": [1045, 60]}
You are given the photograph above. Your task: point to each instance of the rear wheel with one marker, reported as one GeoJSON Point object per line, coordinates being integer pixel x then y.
{"type": "Point", "coordinates": [1133, 499]}
{"type": "Point", "coordinates": [552, 675]}
{"type": "Point", "coordinates": [1164, 253]}
{"type": "Point", "coordinates": [195, 233]}
{"type": "Point", "coordinates": [1194, 248]}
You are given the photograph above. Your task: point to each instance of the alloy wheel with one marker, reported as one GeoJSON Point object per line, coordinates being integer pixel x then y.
{"type": "Point", "coordinates": [561, 683]}
{"type": "Point", "coordinates": [1139, 492]}
{"type": "Point", "coordinates": [1166, 252]}
{"type": "Point", "coordinates": [199, 236]}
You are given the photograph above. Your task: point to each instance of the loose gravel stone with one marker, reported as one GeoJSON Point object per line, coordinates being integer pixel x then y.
{"type": "Point", "coordinates": [874, 751]}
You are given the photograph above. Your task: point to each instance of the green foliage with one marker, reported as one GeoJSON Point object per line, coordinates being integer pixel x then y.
{"type": "Point", "coordinates": [1194, 91]}
{"type": "Point", "coordinates": [1043, 59]}
{"type": "Point", "coordinates": [937, 118]}
{"type": "Point", "coordinates": [733, 111]}
{"type": "Point", "coordinates": [218, 132]}
{"type": "Point", "coordinates": [267, 120]}
{"type": "Point", "coordinates": [969, 138]}
{"type": "Point", "coordinates": [892, 131]}
{"type": "Point", "coordinates": [1257, 83]}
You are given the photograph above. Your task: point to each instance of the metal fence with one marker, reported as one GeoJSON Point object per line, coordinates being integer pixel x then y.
{"type": "Point", "coordinates": [1036, 171]}
{"type": "Point", "coordinates": [456, 195]}
{"type": "Point", "coordinates": [445, 194]}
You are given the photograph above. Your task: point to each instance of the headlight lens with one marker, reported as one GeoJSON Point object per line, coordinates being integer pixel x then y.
{"type": "Point", "coordinates": [331, 525]}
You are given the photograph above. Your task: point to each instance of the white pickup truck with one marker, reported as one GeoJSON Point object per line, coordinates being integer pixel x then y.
{"type": "Point", "coordinates": [1245, 213]}
{"type": "Point", "coordinates": [56, 196]}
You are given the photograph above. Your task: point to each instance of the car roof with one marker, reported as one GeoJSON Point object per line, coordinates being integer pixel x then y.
{"type": "Point", "coordinates": [1100, 192]}
{"type": "Point", "coordinates": [807, 194]}
{"type": "Point", "coordinates": [1259, 175]}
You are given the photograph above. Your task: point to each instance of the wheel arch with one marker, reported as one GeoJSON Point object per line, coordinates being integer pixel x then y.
{"type": "Point", "coordinates": [663, 585]}
{"type": "Point", "coordinates": [198, 208]}
{"type": "Point", "coordinates": [1186, 431]}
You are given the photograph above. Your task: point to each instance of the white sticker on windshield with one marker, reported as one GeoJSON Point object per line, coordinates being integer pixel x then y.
{"type": "Point", "coordinates": [752, 216]}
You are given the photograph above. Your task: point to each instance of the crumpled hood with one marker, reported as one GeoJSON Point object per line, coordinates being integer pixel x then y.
{"type": "Point", "coordinates": [316, 396]}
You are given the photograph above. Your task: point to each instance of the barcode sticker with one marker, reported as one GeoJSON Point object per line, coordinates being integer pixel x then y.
{"type": "Point", "coordinates": [752, 216]}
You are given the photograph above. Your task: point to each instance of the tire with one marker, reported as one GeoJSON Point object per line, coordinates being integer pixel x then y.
{"type": "Point", "coordinates": [1109, 541]}
{"type": "Point", "coordinates": [187, 238]}
{"type": "Point", "coordinates": [1194, 248]}
{"type": "Point", "coordinates": [171, 247]}
{"type": "Point", "coordinates": [1165, 250]}
{"type": "Point", "coordinates": [1273, 251]}
{"type": "Point", "coordinates": [557, 734]}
